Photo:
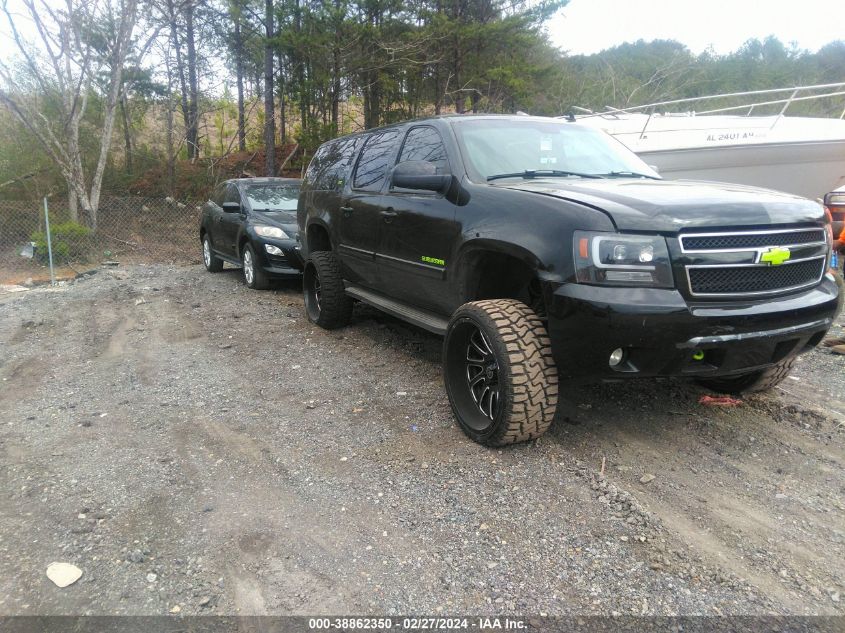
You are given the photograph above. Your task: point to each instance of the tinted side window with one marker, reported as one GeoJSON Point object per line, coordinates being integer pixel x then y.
{"type": "Point", "coordinates": [232, 194]}
{"type": "Point", "coordinates": [217, 196]}
{"type": "Point", "coordinates": [317, 165]}
{"type": "Point", "coordinates": [330, 166]}
{"type": "Point", "coordinates": [424, 143]}
{"type": "Point", "coordinates": [337, 163]}
{"type": "Point", "coordinates": [375, 157]}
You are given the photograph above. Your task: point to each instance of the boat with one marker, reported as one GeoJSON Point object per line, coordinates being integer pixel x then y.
{"type": "Point", "coordinates": [801, 155]}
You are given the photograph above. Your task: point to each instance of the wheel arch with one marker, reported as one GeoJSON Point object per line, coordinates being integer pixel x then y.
{"type": "Point", "coordinates": [317, 236]}
{"type": "Point", "coordinates": [492, 269]}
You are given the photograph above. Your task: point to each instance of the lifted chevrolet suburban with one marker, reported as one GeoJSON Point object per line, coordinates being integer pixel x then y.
{"type": "Point", "coordinates": [543, 249]}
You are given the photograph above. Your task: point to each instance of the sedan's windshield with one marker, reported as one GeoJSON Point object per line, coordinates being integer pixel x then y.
{"type": "Point", "coordinates": [502, 148]}
{"type": "Point", "coordinates": [272, 197]}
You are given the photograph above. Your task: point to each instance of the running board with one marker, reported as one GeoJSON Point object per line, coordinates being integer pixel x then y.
{"type": "Point", "coordinates": [421, 318]}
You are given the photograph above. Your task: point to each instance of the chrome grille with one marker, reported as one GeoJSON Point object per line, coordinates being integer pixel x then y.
{"type": "Point", "coordinates": [739, 241]}
{"type": "Point", "coordinates": [755, 279]}
{"type": "Point", "coordinates": [734, 264]}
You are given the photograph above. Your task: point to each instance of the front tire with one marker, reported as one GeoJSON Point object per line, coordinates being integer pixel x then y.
{"type": "Point", "coordinates": [499, 372]}
{"type": "Point", "coordinates": [752, 382]}
{"type": "Point", "coordinates": [326, 301]}
{"type": "Point", "coordinates": [212, 264]}
{"type": "Point", "coordinates": [254, 276]}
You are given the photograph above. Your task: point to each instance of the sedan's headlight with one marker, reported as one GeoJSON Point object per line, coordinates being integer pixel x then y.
{"type": "Point", "coordinates": [614, 259]}
{"type": "Point", "coordinates": [271, 231]}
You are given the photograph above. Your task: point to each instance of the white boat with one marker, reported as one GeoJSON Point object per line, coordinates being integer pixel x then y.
{"type": "Point", "coordinates": [800, 155]}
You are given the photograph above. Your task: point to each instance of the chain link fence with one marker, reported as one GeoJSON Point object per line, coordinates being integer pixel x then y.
{"type": "Point", "coordinates": [130, 230]}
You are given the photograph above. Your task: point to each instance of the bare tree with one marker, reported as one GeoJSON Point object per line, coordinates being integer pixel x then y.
{"type": "Point", "coordinates": [269, 108]}
{"type": "Point", "coordinates": [66, 71]}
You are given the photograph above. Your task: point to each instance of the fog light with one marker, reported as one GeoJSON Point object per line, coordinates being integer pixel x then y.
{"type": "Point", "coordinates": [616, 357]}
{"type": "Point", "coordinates": [273, 250]}
{"type": "Point", "coordinates": [698, 354]}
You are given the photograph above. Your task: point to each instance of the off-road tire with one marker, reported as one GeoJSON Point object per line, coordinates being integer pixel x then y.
{"type": "Point", "coordinates": [326, 303]}
{"type": "Point", "coordinates": [258, 280]}
{"type": "Point", "coordinates": [752, 382]}
{"type": "Point", "coordinates": [212, 264]}
{"type": "Point", "coordinates": [527, 378]}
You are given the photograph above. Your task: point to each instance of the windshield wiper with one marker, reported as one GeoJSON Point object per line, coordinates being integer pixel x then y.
{"type": "Point", "coordinates": [629, 174]}
{"type": "Point", "coordinates": [539, 173]}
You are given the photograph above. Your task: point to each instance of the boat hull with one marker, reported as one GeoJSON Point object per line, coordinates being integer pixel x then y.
{"type": "Point", "coordinates": [809, 169]}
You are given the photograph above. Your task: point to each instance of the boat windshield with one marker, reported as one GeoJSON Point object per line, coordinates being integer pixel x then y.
{"type": "Point", "coordinates": [514, 148]}
{"type": "Point", "coordinates": [271, 197]}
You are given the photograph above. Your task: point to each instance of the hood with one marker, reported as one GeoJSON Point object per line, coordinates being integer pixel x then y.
{"type": "Point", "coordinates": [283, 219]}
{"type": "Point", "coordinates": [669, 206]}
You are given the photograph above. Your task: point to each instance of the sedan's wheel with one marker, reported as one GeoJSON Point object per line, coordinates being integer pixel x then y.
{"type": "Point", "coordinates": [499, 373]}
{"type": "Point", "coordinates": [212, 264]}
{"type": "Point", "coordinates": [253, 274]}
{"type": "Point", "coordinates": [326, 301]}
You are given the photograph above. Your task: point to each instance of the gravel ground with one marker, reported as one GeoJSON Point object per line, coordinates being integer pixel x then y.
{"type": "Point", "coordinates": [196, 447]}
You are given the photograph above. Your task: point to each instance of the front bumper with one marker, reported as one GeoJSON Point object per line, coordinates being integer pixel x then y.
{"type": "Point", "coordinates": [663, 335]}
{"type": "Point", "coordinates": [288, 264]}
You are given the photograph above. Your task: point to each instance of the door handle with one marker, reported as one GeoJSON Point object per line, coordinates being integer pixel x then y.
{"type": "Point", "coordinates": [347, 211]}
{"type": "Point", "coordinates": [388, 215]}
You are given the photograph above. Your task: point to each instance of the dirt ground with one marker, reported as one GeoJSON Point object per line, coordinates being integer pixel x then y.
{"type": "Point", "coordinates": [196, 447]}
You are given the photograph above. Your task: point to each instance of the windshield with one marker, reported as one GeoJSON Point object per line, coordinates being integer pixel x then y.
{"type": "Point", "coordinates": [497, 147]}
{"type": "Point", "coordinates": [272, 197]}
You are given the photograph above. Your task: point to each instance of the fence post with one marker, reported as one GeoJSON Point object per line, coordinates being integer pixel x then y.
{"type": "Point", "coordinates": [49, 243]}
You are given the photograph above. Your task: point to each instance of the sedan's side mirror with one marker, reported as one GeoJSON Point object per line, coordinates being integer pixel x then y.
{"type": "Point", "coordinates": [420, 175]}
{"type": "Point", "coordinates": [232, 207]}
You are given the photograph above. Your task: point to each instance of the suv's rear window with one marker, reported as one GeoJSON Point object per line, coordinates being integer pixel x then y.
{"type": "Point", "coordinates": [375, 157]}
{"type": "Point", "coordinates": [330, 166]}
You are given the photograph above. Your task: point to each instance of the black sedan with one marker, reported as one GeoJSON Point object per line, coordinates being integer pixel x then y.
{"type": "Point", "coordinates": [251, 223]}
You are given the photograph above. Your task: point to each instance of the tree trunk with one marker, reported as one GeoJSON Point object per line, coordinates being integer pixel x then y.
{"type": "Point", "coordinates": [171, 152]}
{"type": "Point", "coordinates": [282, 130]}
{"type": "Point", "coordinates": [335, 87]}
{"type": "Point", "coordinates": [72, 205]}
{"type": "Point", "coordinates": [239, 69]}
{"type": "Point", "coordinates": [269, 109]}
{"type": "Point", "coordinates": [127, 138]}
{"type": "Point", "coordinates": [193, 110]}
{"type": "Point", "coordinates": [180, 69]}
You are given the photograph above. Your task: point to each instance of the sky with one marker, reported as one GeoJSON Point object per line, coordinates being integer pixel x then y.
{"type": "Point", "coordinates": [589, 26]}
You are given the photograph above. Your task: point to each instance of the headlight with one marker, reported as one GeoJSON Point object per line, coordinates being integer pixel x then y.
{"type": "Point", "coordinates": [271, 231]}
{"type": "Point", "coordinates": [622, 260]}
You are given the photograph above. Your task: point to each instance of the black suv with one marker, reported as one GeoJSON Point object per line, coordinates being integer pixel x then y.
{"type": "Point", "coordinates": [251, 222]}
{"type": "Point", "coordinates": [541, 247]}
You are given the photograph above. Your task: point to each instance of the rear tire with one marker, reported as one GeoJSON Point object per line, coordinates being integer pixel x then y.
{"type": "Point", "coordinates": [752, 382]}
{"type": "Point", "coordinates": [212, 264]}
{"type": "Point", "coordinates": [499, 372]}
{"type": "Point", "coordinates": [326, 301]}
{"type": "Point", "coordinates": [254, 276]}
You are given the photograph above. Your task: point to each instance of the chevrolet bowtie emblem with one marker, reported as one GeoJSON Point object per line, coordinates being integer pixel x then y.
{"type": "Point", "coordinates": [775, 256]}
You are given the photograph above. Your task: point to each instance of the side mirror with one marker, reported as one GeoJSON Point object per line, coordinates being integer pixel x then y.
{"type": "Point", "coordinates": [231, 207]}
{"type": "Point", "coordinates": [835, 199]}
{"type": "Point", "coordinates": [420, 175]}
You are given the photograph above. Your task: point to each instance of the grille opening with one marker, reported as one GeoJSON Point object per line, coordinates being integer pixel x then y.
{"type": "Point", "coordinates": [713, 359]}
{"type": "Point", "coordinates": [754, 279]}
{"type": "Point", "coordinates": [783, 349]}
{"type": "Point", "coordinates": [751, 240]}
{"type": "Point", "coordinates": [279, 261]}
{"type": "Point", "coordinates": [815, 339]}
